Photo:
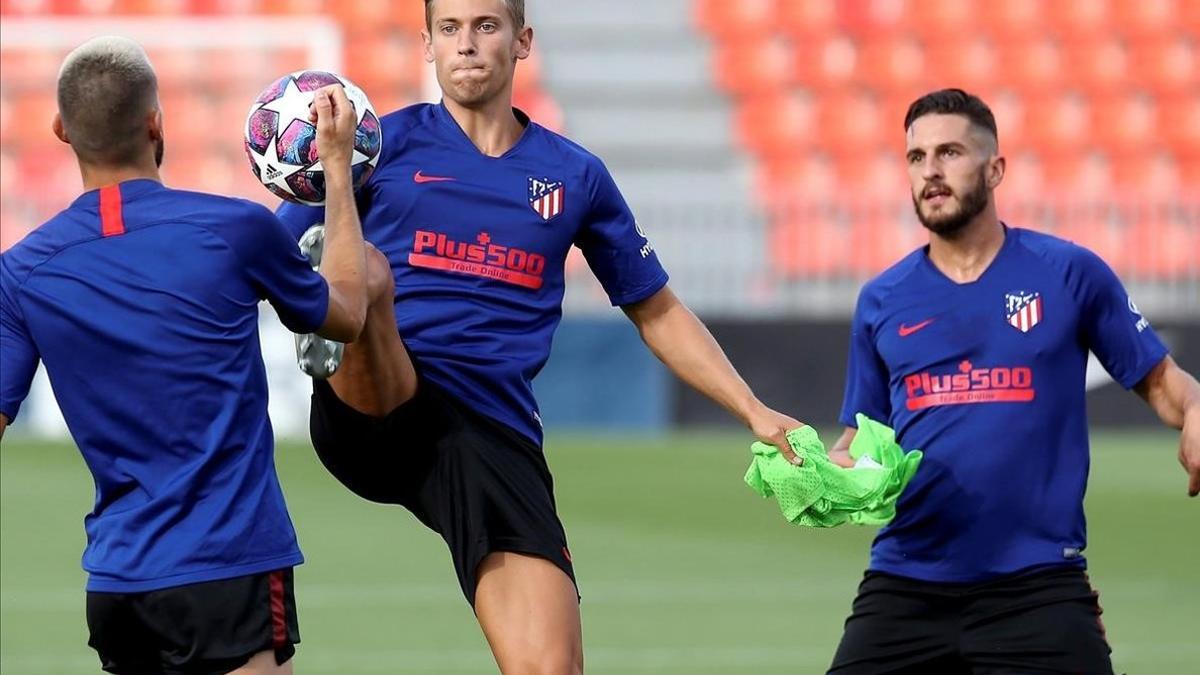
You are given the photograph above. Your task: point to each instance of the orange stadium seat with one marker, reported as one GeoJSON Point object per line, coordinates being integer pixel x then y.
{"type": "Point", "coordinates": [850, 121]}
{"type": "Point", "coordinates": [385, 61]}
{"type": "Point", "coordinates": [1101, 232]}
{"type": "Point", "coordinates": [934, 19]}
{"type": "Point", "coordinates": [809, 245]}
{"type": "Point", "coordinates": [893, 63]}
{"type": "Point", "coordinates": [1146, 18]}
{"type": "Point", "coordinates": [1079, 17]}
{"type": "Point", "coordinates": [1170, 65]}
{"type": "Point", "coordinates": [881, 237]}
{"type": "Point", "coordinates": [970, 63]}
{"type": "Point", "coordinates": [832, 61]}
{"type": "Point", "coordinates": [541, 108]}
{"type": "Point", "coordinates": [1161, 246]}
{"type": "Point", "coordinates": [1180, 121]}
{"type": "Point", "coordinates": [1033, 64]}
{"type": "Point", "coordinates": [1012, 19]}
{"type": "Point", "coordinates": [1100, 65]}
{"type": "Point", "coordinates": [787, 183]}
{"type": "Point", "coordinates": [735, 20]}
{"type": "Point", "coordinates": [1078, 177]}
{"type": "Point", "coordinates": [32, 117]}
{"type": "Point", "coordinates": [808, 19]}
{"type": "Point", "coordinates": [744, 68]}
{"type": "Point", "coordinates": [1128, 123]}
{"type": "Point", "coordinates": [26, 7]}
{"type": "Point", "coordinates": [1153, 177]}
{"type": "Point", "coordinates": [1059, 123]}
{"type": "Point", "coordinates": [778, 123]}
{"type": "Point", "coordinates": [294, 6]}
{"type": "Point", "coordinates": [6, 120]}
{"type": "Point", "coordinates": [409, 16]}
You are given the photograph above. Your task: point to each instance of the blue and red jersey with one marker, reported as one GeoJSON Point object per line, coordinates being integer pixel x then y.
{"type": "Point", "coordinates": [479, 245]}
{"type": "Point", "coordinates": [987, 378]}
{"type": "Point", "coordinates": [142, 303]}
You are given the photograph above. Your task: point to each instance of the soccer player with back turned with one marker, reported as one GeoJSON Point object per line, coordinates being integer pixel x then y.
{"type": "Point", "coordinates": [477, 207]}
{"type": "Point", "coordinates": [974, 349]}
{"type": "Point", "coordinates": [142, 303]}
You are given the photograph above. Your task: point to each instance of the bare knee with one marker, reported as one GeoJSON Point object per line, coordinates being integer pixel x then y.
{"type": "Point", "coordinates": [263, 663]}
{"type": "Point", "coordinates": [381, 285]}
{"type": "Point", "coordinates": [566, 662]}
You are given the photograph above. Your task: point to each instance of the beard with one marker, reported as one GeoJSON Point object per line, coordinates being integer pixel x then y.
{"type": "Point", "coordinates": [971, 204]}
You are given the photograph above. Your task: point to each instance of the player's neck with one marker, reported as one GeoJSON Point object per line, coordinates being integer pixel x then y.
{"type": "Point", "coordinates": [492, 128]}
{"type": "Point", "coordinates": [964, 257]}
{"type": "Point", "coordinates": [96, 177]}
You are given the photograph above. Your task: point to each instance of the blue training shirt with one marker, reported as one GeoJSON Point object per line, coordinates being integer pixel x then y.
{"type": "Point", "coordinates": [478, 246]}
{"type": "Point", "coordinates": [142, 302]}
{"type": "Point", "coordinates": [988, 379]}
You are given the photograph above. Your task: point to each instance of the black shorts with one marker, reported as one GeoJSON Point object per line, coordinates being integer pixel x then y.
{"type": "Point", "coordinates": [208, 628]}
{"type": "Point", "coordinates": [481, 485]}
{"type": "Point", "coordinates": [1045, 621]}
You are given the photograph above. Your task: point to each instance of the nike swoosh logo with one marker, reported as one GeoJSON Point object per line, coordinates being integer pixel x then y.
{"type": "Point", "coordinates": [418, 177]}
{"type": "Point", "coordinates": [905, 331]}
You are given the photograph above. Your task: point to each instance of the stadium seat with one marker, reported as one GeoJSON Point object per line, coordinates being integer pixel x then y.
{"type": "Point", "coordinates": [1146, 18]}
{"type": "Point", "coordinates": [541, 108]}
{"type": "Point", "coordinates": [32, 116]}
{"type": "Point", "coordinates": [850, 121]}
{"type": "Point", "coordinates": [1153, 177]}
{"type": "Point", "coordinates": [808, 19]}
{"type": "Point", "coordinates": [970, 63]}
{"type": "Point", "coordinates": [1082, 18]}
{"type": "Point", "coordinates": [1080, 177]}
{"type": "Point", "coordinates": [789, 183]}
{"type": "Point", "coordinates": [1012, 19]}
{"type": "Point", "coordinates": [880, 237]}
{"type": "Point", "coordinates": [1099, 230]}
{"type": "Point", "coordinates": [1099, 66]}
{"type": "Point", "coordinates": [808, 245]}
{"type": "Point", "coordinates": [1128, 123]}
{"type": "Point", "coordinates": [387, 60]}
{"type": "Point", "coordinates": [1168, 66]}
{"type": "Point", "coordinates": [1180, 121]}
{"type": "Point", "coordinates": [409, 17]}
{"type": "Point", "coordinates": [1033, 65]}
{"type": "Point", "coordinates": [6, 120]}
{"type": "Point", "coordinates": [294, 6]}
{"type": "Point", "coordinates": [1059, 123]}
{"type": "Point", "coordinates": [778, 123]}
{"type": "Point", "coordinates": [827, 62]}
{"type": "Point", "coordinates": [891, 64]}
{"type": "Point", "coordinates": [749, 67]}
{"type": "Point", "coordinates": [934, 19]}
{"type": "Point", "coordinates": [744, 19]}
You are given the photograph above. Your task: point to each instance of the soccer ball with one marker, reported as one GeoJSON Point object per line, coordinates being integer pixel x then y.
{"type": "Point", "coordinates": [281, 143]}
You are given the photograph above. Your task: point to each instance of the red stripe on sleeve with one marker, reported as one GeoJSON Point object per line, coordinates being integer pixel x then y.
{"type": "Point", "coordinates": [111, 222]}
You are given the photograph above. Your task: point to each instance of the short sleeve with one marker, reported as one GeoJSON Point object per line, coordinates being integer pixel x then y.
{"type": "Point", "coordinates": [1114, 328]}
{"type": "Point", "coordinates": [297, 218]}
{"type": "Point", "coordinates": [866, 374]}
{"type": "Point", "coordinates": [18, 354]}
{"type": "Point", "coordinates": [615, 247]}
{"type": "Point", "coordinates": [282, 275]}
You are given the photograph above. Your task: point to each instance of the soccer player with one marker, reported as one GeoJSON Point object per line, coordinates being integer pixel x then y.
{"type": "Point", "coordinates": [974, 349]}
{"type": "Point", "coordinates": [477, 207]}
{"type": "Point", "coordinates": [142, 302]}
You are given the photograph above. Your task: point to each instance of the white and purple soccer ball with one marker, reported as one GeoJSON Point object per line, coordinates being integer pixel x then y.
{"type": "Point", "coordinates": [281, 143]}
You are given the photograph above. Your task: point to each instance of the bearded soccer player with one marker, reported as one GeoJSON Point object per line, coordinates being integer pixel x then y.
{"type": "Point", "coordinates": [477, 207]}
{"type": "Point", "coordinates": [142, 302]}
{"type": "Point", "coordinates": [974, 349]}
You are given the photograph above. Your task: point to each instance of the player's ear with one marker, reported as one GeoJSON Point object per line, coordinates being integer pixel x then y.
{"type": "Point", "coordinates": [60, 132]}
{"type": "Point", "coordinates": [524, 42]}
{"type": "Point", "coordinates": [427, 45]}
{"type": "Point", "coordinates": [996, 168]}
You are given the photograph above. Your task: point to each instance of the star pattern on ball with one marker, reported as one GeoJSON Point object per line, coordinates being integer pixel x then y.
{"type": "Point", "coordinates": [291, 105]}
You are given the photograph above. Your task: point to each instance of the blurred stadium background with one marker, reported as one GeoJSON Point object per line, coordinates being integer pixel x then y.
{"type": "Point", "coordinates": [759, 142]}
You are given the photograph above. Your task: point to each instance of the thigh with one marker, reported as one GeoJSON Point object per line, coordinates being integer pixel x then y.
{"type": "Point", "coordinates": [490, 492]}
{"type": "Point", "coordinates": [529, 612]}
{"type": "Point", "coordinates": [899, 626]}
{"type": "Point", "coordinates": [381, 459]}
{"type": "Point", "coordinates": [1046, 624]}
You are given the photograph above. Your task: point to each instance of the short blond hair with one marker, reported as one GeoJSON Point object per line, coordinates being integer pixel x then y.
{"type": "Point", "coordinates": [516, 9]}
{"type": "Point", "coordinates": [106, 88]}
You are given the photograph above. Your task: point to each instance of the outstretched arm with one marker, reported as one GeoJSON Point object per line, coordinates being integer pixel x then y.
{"type": "Point", "coordinates": [1174, 395]}
{"type": "Point", "coordinates": [684, 344]}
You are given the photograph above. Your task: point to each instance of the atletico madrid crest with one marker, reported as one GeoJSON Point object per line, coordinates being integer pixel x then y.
{"type": "Point", "coordinates": [1024, 310]}
{"type": "Point", "coordinates": [546, 197]}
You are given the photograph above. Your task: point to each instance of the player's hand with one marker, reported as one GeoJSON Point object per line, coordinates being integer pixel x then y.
{"type": "Point", "coordinates": [336, 122]}
{"type": "Point", "coordinates": [841, 457]}
{"type": "Point", "coordinates": [1189, 449]}
{"type": "Point", "coordinates": [771, 427]}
